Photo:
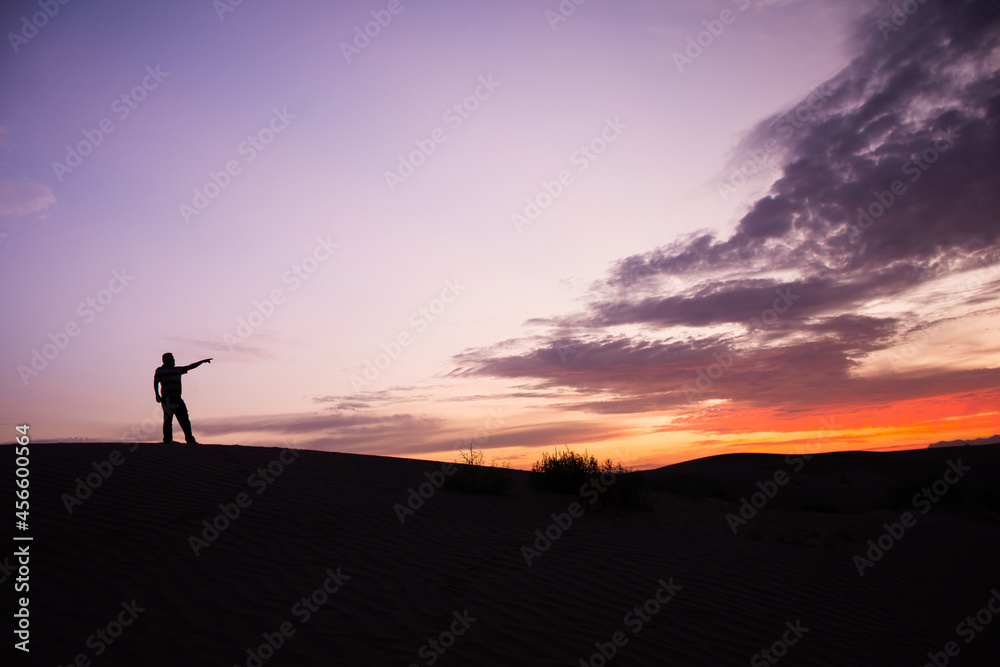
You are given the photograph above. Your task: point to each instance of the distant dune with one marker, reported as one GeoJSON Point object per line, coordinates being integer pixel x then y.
{"type": "Point", "coordinates": [992, 440]}
{"type": "Point", "coordinates": [188, 555]}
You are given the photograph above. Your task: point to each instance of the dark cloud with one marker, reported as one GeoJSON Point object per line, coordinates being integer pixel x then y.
{"type": "Point", "coordinates": [926, 92]}
{"type": "Point", "coordinates": [888, 177]}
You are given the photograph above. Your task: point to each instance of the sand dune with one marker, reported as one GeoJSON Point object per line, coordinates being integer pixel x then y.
{"type": "Point", "coordinates": [318, 551]}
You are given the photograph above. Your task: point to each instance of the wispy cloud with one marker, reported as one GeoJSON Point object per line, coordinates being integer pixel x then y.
{"type": "Point", "coordinates": [23, 197]}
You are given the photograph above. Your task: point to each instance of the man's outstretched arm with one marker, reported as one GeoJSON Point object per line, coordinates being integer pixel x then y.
{"type": "Point", "coordinates": [196, 364]}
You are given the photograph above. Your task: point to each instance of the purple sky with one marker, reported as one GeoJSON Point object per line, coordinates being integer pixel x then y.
{"type": "Point", "coordinates": [592, 215]}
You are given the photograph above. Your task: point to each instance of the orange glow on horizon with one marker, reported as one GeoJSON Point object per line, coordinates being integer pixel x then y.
{"type": "Point", "coordinates": [909, 424]}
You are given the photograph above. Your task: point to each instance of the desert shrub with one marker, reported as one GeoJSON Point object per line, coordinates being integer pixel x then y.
{"type": "Point", "coordinates": [567, 471]}
{"type": "Point", "coordinates": [474, 476]}
{"type": "Point", "coordinates": [562, 472]}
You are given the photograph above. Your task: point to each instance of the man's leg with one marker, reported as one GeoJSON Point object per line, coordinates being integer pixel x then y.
{"type": "Point", "coordinates": [182, 418]}
{"type": "Point", "coordinates": [168, 420]}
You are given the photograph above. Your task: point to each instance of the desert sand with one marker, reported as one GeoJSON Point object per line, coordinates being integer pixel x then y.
{"type": "Point", "coordinates": [318, 568]}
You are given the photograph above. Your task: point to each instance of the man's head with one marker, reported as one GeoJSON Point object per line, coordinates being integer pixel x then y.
{"type": "Point", "coordinates": [168, 359]}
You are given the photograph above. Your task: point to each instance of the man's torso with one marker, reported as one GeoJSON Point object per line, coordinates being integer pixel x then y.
{"type": "Point", "coordinates": [169, 379]}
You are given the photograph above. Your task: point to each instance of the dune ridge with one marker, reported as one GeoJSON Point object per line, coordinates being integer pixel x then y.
{"type": "Point", "coordinates": [330, 518]}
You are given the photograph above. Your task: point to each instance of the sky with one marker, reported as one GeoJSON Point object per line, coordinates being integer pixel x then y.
{"type": "Point", "coordinates": [654, 231]}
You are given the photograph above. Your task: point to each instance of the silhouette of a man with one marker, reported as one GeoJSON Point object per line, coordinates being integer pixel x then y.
{"type": "Point", "coordinates": [167, 381]}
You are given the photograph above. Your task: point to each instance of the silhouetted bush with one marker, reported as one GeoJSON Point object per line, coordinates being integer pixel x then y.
{"type": "Point", "coordinates": [567, 472]}
{"type": "Point", "coordinates": [474, 476]}
{"type": "Point", "coordinates": [563, 472]}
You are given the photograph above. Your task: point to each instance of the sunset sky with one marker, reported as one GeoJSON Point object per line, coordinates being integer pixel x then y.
{"type": "Point", "coordinates": [653, 230]}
